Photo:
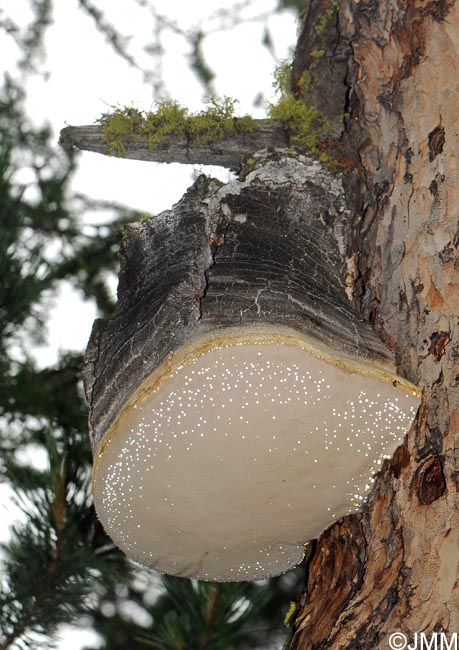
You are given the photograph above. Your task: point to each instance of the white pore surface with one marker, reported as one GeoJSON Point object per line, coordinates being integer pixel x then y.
{"type": "Point", "coordinates": [241, 456]}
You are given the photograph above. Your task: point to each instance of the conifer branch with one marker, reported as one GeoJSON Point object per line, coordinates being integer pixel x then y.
{"type": "Point", "coordinates": [58, 510]}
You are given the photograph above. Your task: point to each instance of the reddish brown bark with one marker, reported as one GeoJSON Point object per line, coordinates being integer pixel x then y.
{"type": "Point", "coordinates": [397, 570]}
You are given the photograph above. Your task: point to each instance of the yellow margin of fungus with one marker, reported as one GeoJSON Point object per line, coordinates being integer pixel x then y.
{"type": "Point", "coordinates": [383, 370]}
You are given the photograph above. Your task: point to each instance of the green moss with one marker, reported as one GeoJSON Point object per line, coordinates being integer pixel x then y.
{"type": "Point", "coordinates": [325, 158]}
{"type": "Point", "coordinates": [122, 122]}
{"type": "Point", "coordinates": [304, 81]}
{"type": "Point", "coordinates": [283, 78]}
{"type": "Point", "coordinates": [303, 122]}
{"type": "Point", "coordinates": [218, 121]}
{"type": "Point", "coordinates": [316, 54]}
{"type": "Point", "coordinates": [124, 239]}
{"type": "Point", "coordinates": [291, 614]}
{"type": "Point", "coordinates": [324, 19]}
{"type": "Point", "coordinates": [169, 118]}
{"type": "Point", "coordinates": [247, 166]}
{"type": "Point", "coordinates": [322, 22]}
{"type": "Point", "coordinates": [214, 123]}
{"type": "Point", "coordinates": [250, 162]}
{"type": "Point", "coordinates": [144, 217]}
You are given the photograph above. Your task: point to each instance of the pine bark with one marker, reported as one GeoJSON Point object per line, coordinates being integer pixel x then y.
{"type": "Point", "coordinates": [394, 567]}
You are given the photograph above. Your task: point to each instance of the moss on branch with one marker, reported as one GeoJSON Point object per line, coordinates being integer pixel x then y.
{"type": "Point", "coordinates": [304, 123]}
{"type": "Point", "coordinates": [216, 122]}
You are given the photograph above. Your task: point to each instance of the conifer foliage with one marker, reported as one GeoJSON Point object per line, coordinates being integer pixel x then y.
{"type": "Point", "coordinates": [58, 553]}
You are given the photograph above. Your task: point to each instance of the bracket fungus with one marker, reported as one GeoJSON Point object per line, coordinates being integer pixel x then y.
{"type": "Point", "coordinates": [238, 403]}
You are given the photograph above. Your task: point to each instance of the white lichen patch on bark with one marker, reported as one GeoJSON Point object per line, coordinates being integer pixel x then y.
{"type": "Point", "coordinates": [278, 168]}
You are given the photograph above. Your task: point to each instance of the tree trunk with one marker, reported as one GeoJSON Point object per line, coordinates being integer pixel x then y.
{"type": "Point", "coordinates": [394, 567]}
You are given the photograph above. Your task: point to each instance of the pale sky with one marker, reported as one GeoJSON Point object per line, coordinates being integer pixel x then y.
{"type": "Point", "coordinates": [85, 77]}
